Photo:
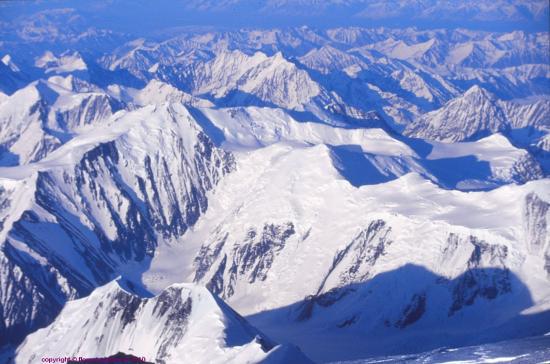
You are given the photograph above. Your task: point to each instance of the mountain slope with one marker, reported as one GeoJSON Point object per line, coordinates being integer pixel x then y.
{"type": "Point", "coordinates": [40, 117]}
{"type": "Point", "coordinates": [478, 113]}
{"type": "Point", "coordinates": [187, 322]}
{"type": "Point", "coordinates": [312, 258]}
{"type": "Point", "coordinates": [371, 155]}
{"type": "Point", "coordinates": [98, 207]}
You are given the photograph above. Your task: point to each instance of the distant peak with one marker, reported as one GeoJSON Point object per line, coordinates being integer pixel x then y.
{"type": "Point", "coordinates": [477, 90]}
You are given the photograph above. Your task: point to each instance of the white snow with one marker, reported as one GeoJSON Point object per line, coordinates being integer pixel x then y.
{"type": "Point", "coordinates": [63, 64]}
{"type": "Point", "coordinates": [495, 149]}
{"type": "Point", "coordinates": [253, 127]}
{"type": "Point", "coordinates": [183, 324]}
{"type": "Point", "coordinates": [318, 200]}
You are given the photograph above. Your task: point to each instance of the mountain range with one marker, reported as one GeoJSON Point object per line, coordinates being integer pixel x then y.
{"type": "Point", "coordinates": [274, 195]}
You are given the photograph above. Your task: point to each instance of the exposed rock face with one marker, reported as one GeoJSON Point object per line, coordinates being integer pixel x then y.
{"type": "Point", "coordinates": [536, 215]}
{"type": "Point", "coordinates": [413, 312]}
{"type": "Point", "coordinates": [183, 323]}
{"type": "Point", "coordinates": [108, 209]}
{"type": "Point", "coordinates": [476, 114]}
{"type": "Point", "coordinates": [251, 259]}
{"type": "Point", "coordinates": [41, 117]}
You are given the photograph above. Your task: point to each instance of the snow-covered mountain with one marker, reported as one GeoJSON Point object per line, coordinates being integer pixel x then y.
{"type": "Point", "coordinates": [478, 113]}
{"type": "Point", "coordinates": [108, 198]}
{"type": "Point", "coordinates": [350, 191]}
{"type": "Point", "coordinates": [261, 227]}
{"type": "Point", "coordinates": [184, 323]}
{"type": "Point", "coordinates": [43, 115]}
{"type": "Point", "coordinates": [108, 193]}
{"type": "Point", "coordinates": [356, 250]}
{"type": "Point", "coordinates": [349, 71]}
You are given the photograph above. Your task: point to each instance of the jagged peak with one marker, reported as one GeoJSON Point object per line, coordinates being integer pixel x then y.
{"type": "Point", "coordinates": [124, 286]}
{"type": "Point", "coordinates": [180, 317]}
{"type": "Point", "coordinates": [279, 55]}
{"type": "Point", "coordinates": [68, 61]}
{"type": "Point", "coordinates": [158, 92]}
{"type": "Point", "coordinates": [277, 60]}
{"type": "Point", "coordinates": [475, 97]}
{"type": "Point", "coordinates": [477, 90]}
{"type": "Point", "coordinates": [226, 53]}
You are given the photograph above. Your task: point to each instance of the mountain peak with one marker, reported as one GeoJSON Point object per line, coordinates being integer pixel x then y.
{"type": "Point", "coordinates": [187, 322]}
{"type": "Point", "coordinates": [65, 63]}
{"type": "Point", "coordinates": [474, 114]}
{"type": "Point", "coordinates": [478, 91]}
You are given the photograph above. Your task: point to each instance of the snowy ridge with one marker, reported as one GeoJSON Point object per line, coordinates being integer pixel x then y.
{"type": "Point", "coordinates": [235, 78]}
{"type": "Point", "coordinates": [378, 9]}
{"type": "Point", "coordinates": [115, 170]}
{"type": "Point", "coordinates": [156, 93]}
{"type": "Point", "coordinates": [184, 323]}
{"type": "Point", "coordinates": [40, 117]}
{"type": "Point", "coordinates": [189, 61]}
{"type": "Point", "coordinates": [478, 113]}
{"type": "Point", "coordinates": [64, 64]}
{"type": "Point", "coordinates": [256, 248]}
{"type": "Point", "coordinates": [253, 127]}
{"type": "Point", "coordinates": [101, 194]}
